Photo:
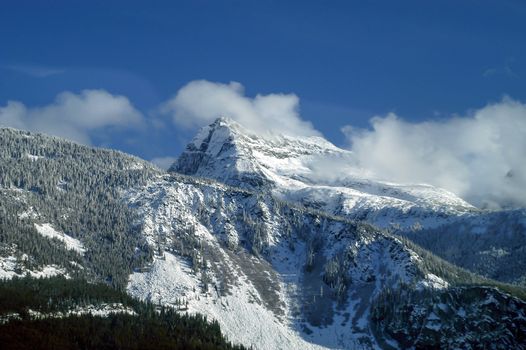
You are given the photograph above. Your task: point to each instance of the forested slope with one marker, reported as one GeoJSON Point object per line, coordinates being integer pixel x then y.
{"type": "Point", "coordinates": [56, 313]}
{"type": "Point", "coordinates": [77, 190]}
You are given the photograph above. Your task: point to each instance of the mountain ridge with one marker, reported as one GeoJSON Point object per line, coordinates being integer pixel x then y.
{"type": "Point", "coordinates": [295, 168]}
{"type": "Point", "coordinates": [316, 174]}
{"type": "Point", "coordinates": [273, 273]}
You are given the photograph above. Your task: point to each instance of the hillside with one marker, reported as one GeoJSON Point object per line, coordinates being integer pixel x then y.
{"type": "Point", "coordinates": [273, 272]}
{"type": "Point", "coordinates": [314, 173]}
{"type": "Point", "coordinates": [57, 313]}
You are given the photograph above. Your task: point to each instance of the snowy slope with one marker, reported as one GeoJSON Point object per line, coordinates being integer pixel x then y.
{"type": "Point", "coordinates": [269, 250]}
{"type": "Point", "coordinates": [60, 205]}
{"type": "Point", "coordinates": [71, 243]}
{"type": "Point", "coordinates": [11, 266]}
{"type": "Point", "coordinates": [314, 172]}
{"type": "Point", "coordinates": [274, 275]}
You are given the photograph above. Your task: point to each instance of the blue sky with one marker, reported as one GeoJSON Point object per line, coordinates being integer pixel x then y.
{"type": "Point", "coordinates": [346, 61]}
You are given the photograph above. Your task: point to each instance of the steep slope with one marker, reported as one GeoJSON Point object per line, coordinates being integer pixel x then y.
{"type": "Point", "coordinates": [316, 174]}
{"type": "Point", "coordinates": [480, 315]}
{"type": "Point", "coordinates": [276, 275]}
{"type": "Point", "coordinates": [491, 244]}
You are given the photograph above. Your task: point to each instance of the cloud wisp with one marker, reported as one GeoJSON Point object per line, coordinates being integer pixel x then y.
{"type": "Point", "coordinates": [480, 157]}
{"type": "Point", "coordinates": [200, 102]}
{"type": "Point", "coordinates": [34, 70]}
{"type": "Point", "coordinates": [73, 116]}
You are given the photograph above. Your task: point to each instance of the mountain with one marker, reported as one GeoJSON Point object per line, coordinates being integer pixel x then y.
{"type": "Point", "coordinates": [314, 173]}
{"type": "Point", "coordinates": [275, 271]}
{"type": "Point", "coordinates": [278, 275]}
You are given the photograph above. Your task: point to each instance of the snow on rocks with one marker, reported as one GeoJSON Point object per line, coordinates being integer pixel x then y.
{"type": "Point", "coordinates": [433, 282]}
{"type": "Point", "coordinates": [10, 267]}
{"type": "Point", "coordinates": [169, 281]}
{"type": "Point", "coordinates": [71, 243]}
{"type": "Point", "coordinates": [30, 213]}
{"type": "Point", "coordinates": [267, 301]}
{"type": "Point", "coordinates": [99, 310]}
{"type": "Point", "coordinates": [33, 157]}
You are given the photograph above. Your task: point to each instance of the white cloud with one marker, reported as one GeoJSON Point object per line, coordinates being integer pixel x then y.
{"type": "Point", "coordinates": [200, 102]}
{"type": "Point", "coordinates": [481, 157]}
{"type": "Point", "coordinates": [73, 116]}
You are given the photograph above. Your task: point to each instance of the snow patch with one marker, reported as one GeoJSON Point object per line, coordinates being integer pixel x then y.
{"type": "Point", "coordinates": [11, 267]}
{"type": "Point", "coordinates": [100, 310]}
{"type": "Point", "coordinates": [136, 166]}
{"type": "Point", "coordinates": [71, 243]}
{"type": "Point", "coordinates": [33, 157]}
{"type": "Point", "coordinates": [432, 281]}
{"type": "Point", "coordinates": [28, 214]}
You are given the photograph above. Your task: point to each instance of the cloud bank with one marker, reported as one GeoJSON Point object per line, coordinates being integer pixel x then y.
{"type": "Point", "coordinates": [200, 102]}
{"type": "Point", "coordinates": [480, 157]}
{"type": "Point", "coordinates": [73, 116]}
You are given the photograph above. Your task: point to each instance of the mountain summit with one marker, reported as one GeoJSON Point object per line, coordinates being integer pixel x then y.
{"type": "Point", "coordinates": [313, 172]}
{"type": "Point", "coordinates": [228, 152]}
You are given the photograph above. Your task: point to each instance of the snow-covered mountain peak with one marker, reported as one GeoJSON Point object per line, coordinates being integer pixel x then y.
{"type": "Point", "coordinates": [228, 152]}
{"type": "Point", "coordinates": [312, 171]}
{"type": "Point", "coordinates": [225, 130]}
